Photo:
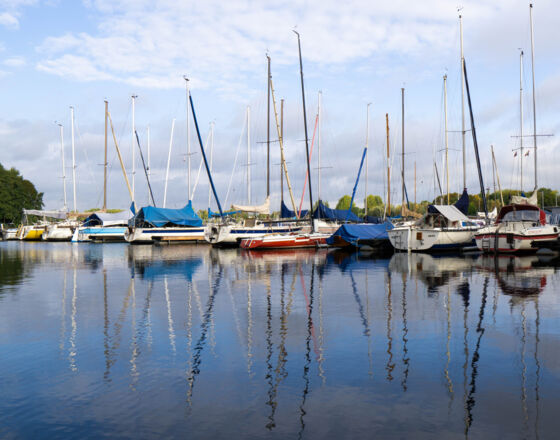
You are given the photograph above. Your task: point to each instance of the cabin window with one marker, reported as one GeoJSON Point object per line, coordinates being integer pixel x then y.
{"type": "Point", "coordinates": [523, 215]}
{"type": "Point", "coordinates": [418, 236]}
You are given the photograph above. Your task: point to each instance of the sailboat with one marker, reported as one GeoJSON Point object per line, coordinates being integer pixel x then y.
{"type": "Point", "coordinates": [520, 226]}
{"type": "Point", "coordinates": [444, 227]}
{"type": "Point", "coordinates": [228, 233]}
{"type": "Point", "coordinates": [294, 239]}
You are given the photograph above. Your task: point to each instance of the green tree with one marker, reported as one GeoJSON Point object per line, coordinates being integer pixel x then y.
{"type": "Point", "coordinates": [344, 204]}
{"type": "Point", "coordinates": [16, 194]}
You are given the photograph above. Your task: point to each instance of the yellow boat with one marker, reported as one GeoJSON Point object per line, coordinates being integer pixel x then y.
{"type": "Point", "coordinates": [30, 232]}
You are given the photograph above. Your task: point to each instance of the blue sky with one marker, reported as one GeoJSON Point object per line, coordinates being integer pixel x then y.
{"type": "Point", "coordinates": [54, 54]}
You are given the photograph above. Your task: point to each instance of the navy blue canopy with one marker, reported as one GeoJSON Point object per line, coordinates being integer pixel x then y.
{"type": "Point", "coordinates": [287, 213]}
{"type": "Point", "coordinates": [159, 217]}
{"type": "Point", "coordinates": [327, 213]}
{"type": "Point", "coordinates": [353, 234]}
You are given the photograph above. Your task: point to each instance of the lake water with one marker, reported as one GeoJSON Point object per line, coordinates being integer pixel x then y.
{"type": "Point", "coordinates": [181, 341]}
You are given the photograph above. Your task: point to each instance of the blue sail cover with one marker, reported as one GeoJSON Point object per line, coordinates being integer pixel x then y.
{"type": "Point", "coordinates": [159, 217]}
{"type": "Point", "coordinates": [463, 203]}
{"type": "Point", "coordinates": [287, 213]}
{"type": "Point", "coordinates": [327, 213]}
{"type": "Point", "coordinates": [353, 234]}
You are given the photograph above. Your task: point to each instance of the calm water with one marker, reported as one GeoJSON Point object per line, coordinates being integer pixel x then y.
{"type": "Point", "coordinates": [191, 342]}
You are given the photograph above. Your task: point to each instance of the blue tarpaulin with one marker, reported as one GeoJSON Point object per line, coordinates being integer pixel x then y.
{"type": "Point", "coordinates": [287, 213]}
{"type": "Point", "coordinates": [363, 233]}
{"type": "Point", "coordinates": [327, 213]}
{"type": "Point", "coordinates": [159, 217]}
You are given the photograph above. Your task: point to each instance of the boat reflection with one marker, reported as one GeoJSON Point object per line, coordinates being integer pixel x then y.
{"type": "Point", "coordinates": [518, 276]}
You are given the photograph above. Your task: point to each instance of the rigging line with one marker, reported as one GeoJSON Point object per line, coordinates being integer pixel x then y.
{"type": "Point", "coordinates": [199, 169]}
{"type": "Point", "coordinates": [235, 161]}
{"type": "Point", "coordinates": [307, 172]}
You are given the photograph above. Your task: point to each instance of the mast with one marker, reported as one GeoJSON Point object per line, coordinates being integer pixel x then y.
{"type": "Point", "coordinates": [268, 130]}
{"type": "Point", "coordinates": [248, 155]}
{"type": "Point", "coordinates": [415, 185]}
{"type": "Point", "coordinates": [148, 170]}
{"type": "Point", "coordinates": [282, 157]}
{"type": "Point", "coordinates": [388, 169]}
{"type": "Point", "coordinates": [521, 112]}
{"type": "Point", "coordinates": [204, 157]}
{"type": "Point", "coordinates": [63, 166]}
{"type": "Point", "coordinates": [282, 138]}
{"type": "Point", "coordinates": [497, 175]}
{"type": "Point", "coordinates": [168, 163]}
{"type": "Point", "coordinates": [475, 144]}
{"type": "Point", "coordinates": [319, 144]}
{"type": "Point", "coordinates": [73, 159]}
{"type": "Point", "coordinates": [367, 155]}
{"type": "Point", "coordinates": [463, 102]}
{"type": "Point", "coordinates": [133, 149]}
{"type": "Point", "coordinates": [446, 136]}
{"type": "Point", "coordinates": [188, 139]}
{"type": "Point", "coordinates": [105, 161]}
{"type": "Point", "coordinates": [402, 158]}
{"type": "Point", "coordinates": [306, 139]}
{"type": "Point", "coordinates": [534, 104]}
{"type": "Point", "coordinates": [211, 159]}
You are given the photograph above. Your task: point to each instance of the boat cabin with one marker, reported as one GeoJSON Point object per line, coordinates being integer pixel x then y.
{"type": "Point", "coordinates": [522, 213]}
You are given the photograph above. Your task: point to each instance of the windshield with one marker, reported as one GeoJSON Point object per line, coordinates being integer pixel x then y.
{"type": "Point", "coordinates": [524, 215]}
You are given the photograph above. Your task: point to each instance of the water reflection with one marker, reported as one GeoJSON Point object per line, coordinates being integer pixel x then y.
{"type": "Point", "coordinates": [281, 344]}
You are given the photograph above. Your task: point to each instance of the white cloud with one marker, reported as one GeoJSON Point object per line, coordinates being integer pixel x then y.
{"type": "Point", "coordinates": [9, 20]}
{"type": "Point", "coordinates": [14, 61]}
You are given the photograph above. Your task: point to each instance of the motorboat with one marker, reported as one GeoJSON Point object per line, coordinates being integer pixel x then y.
{"type": "Point", "coordinates": [519, 227]}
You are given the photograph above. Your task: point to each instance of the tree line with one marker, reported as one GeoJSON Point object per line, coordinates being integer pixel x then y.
{"type": "Point", "coordinates": [16, 194]}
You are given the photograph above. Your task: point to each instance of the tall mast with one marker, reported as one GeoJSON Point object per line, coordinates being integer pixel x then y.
{"type": "Point", "coordinates": [534, 105]}
{"type": "Point", "coordinates": [282, 139]}
{"type": "Point", "coordinates": [521, 112]}
{"type": "Point", "coordinates": [319, 145]}
{"type": "Point", "coordinates": [414, 184]}
{"type": "Point", "coordinates": [188, 139]}
{"type": "Point", "coordinates": [402, 153]}
{"type": "Point", "coordinates": [248, 155]}
{"type": "Point", "coordinates": [133, 149]}
{"type": "Point", "coordinates": [105, 161]}
{"type": "Point", "coordinates": [73, 159]}
{"type": "Point", "coordinates": [148, 170]}
{"type": "Point", "coordinates": [168, 163]}
{"type": "Point", "coordinates": [446, 137]}
{"type": "Point", "coordinates": [268, 130]}
{"type": "Point", "coordinates": [211, 159]}
{"type": "Point", "coordinates": [63, 166]}
{"type": "Point", "coordinates": [306, 139]}
{"type": "Point", "coordinates": [367, 155]}
{"type": "Point", "coordinates": [463, 102]}
{"type": "Point", "coordinates": [388, 169]}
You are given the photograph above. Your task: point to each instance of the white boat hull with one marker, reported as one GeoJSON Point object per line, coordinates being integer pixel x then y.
{"type": "Point", "coordinates": [171, 234]}
{"type": "Point", "coordinates": [513, 237]}
{"type": "Point", "coordinates": [231, 235]}
{"type": "Point", "coordinates": [427, 239]}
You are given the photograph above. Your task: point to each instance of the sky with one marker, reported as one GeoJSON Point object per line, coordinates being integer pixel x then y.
{"type": "Point", "coordinates": [55, 54]}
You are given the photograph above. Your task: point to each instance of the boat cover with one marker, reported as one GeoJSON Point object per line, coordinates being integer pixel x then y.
{"type": "Point", "coordinates": [285, 212]}
{"type": "Point", "coordinates": [159, 217]}
{"type": "Point", "coordinates": [327, 213]}
{"type": "Point", "coordinates": [50, 214]}
{"type": "Point", "coordinates": [463, 203]}
{"type": "Point", "coordinates": [353, 234]}
{"type": "Point", "coordinates": [521, 200]}
{"type": "Point", "coordinates": [108, 219]}
{"type": "Point", "coordinates": [448, 211]}
{"type": "Point", "coordinates": [259, 209]}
